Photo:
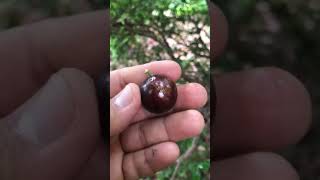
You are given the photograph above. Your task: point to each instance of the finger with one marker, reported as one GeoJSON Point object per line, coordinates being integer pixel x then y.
{"type": "Point", "coordinates": [121, 77]}
{"type": "Point", "coordinates": [219, 28]}
{"type": "Point", "coordinates": [123, 107]}
{"type": "Point", "coordinates": [174, 127]}
{"type": "Point", "coordinates": [262, 166]}
{"type": "Point", "coordinates": [97, 166]}
{"type": "Point", "coordinates": [116, 159]}
{"type": "Point", "coordinates": [262, 109]}
{"type": "Point", "coordinates": [32, 53]}
{"type": "Point", "coordinates": [54, 133]}
{"type": "Point", "coordinates": [190, 96]}
{"type": "Point", "coordinates": [148, 161]}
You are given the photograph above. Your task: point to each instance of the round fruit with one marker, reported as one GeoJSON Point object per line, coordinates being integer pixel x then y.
{"type": "Point", "coordinates": [158, 93]}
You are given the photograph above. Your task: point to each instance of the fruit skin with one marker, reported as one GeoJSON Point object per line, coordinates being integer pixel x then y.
{"type": "Point", "coordinates": [158, 94]}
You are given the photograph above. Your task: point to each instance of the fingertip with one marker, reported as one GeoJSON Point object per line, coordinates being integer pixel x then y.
{"type": "Point", "coordinates": [136, 93]}
{"type": "Point", "coordinates": [76, 75]}
{"type": "Point", "coordinates": [168, 152]}
{"type": "Point", "coordinates": [168, 67]}
{"type": "Point", "coordinates": [300, 109]}
{"type": "Point", "coordinates": [267, 158]}
{"type": "Point", "coordinates": [62, 121]}
{"type": "Point", "coordinates": [193, 95]}
{"type": "Point", "coordinates": [176, 151]}
{"type": "Point", "coordinates": [194, 123]}
{"type": "Point", "coordinates": [259, 165]}
{"type": "Point", "coordinates": [198, 123]}
{"type": "Point", "coordinates": [202, 90]}
{"type": "Point", "coordinates": [176, 66]}
{"type": "Point", "coordinates": [271, 109]}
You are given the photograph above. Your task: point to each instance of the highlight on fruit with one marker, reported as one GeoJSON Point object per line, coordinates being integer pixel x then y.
{"type": "Point", "coordinates": [158, 93]}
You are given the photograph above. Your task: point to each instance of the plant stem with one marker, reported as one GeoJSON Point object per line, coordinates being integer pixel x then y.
{"type": "Point", "coordinates": [148, 73]}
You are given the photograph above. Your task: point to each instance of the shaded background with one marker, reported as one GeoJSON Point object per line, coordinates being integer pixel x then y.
{"type": "Point", "coordinates": [285, 34]}
{"type": "Point", "coordinates": [17, 12]}
{"type": "Point", "coordinates": [143, 30]}
{"type": "Point", "coordinates": [178, 30]}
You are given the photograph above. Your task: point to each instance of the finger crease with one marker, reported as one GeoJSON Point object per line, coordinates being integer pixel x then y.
{"type": "Point", "coordinates": [148, 159]}
{"type": "Point", "coordinates": [166, 128]}
{"type": "Point", "coordinates": [121, 79]}
{"type": "Point", "coordinates": [142, 136]}
{"type": "Point", "coordinates": [134, 166]}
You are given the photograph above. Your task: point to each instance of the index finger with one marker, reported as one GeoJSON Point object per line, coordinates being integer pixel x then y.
{"type": "Point", "coordinates": [120, 78]}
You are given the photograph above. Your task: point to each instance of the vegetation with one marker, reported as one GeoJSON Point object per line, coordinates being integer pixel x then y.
{"type": "Point", "coordinates": [156, 30]}
{"type": "Point", "coordinates": [281, 33]}
{"type": "Point", "coordinates": [143, 31]}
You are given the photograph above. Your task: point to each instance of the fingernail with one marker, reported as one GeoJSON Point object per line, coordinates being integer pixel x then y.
{"type": "Point", "coordinates": [47, 115]}
{"type": "Point", "coordinates": [123, 99]}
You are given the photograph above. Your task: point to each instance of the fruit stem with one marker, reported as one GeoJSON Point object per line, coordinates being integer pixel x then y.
{"type": "Point", "coordinates": [148, 73]}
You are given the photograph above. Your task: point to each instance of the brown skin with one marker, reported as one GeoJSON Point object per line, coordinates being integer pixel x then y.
{"type": "Point", "coordinates": [158, 94]}
{"type": "Point", "coordinates": [141, 143]}
{"type": "Point", "coordinates": [37, 51]}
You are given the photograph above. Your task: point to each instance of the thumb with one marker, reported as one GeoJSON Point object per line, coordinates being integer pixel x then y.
{"type": "Point", "coordinates": [123, 107]}
{"type": "Point", "coordinates": [54, 133]}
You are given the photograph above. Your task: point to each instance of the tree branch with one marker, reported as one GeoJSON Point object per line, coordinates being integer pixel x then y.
{"type": "Point", "coordinates": [169, 50]}
{"type": "Point", "coordinates": [185, 156]}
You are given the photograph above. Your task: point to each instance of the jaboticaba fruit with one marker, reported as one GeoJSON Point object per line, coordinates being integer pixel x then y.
{"type": "Point", "coordinates": [158, 93]}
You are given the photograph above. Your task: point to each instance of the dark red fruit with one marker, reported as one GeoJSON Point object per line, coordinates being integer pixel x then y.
{"type": "Point", "coordinates": [158, 93]}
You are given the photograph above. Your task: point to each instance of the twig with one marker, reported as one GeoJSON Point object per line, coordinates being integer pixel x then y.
{"type": "Point", "coordinates": [190, 150]}
{"type": "Point", "coordinates": [166, 44]}
{"type": "Point", "coordinates": [185, 156]}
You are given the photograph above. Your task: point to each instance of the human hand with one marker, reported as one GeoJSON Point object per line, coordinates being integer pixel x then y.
{"type": "Point", "coordinates": [141, 143]}
{"type": "Point", "coordinates": [258, 111]}
{"type": "Point", "coordinates": [52, 133]}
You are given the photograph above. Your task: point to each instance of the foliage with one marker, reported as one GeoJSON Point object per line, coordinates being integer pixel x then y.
{"type": "Point", "coordinates": [142, 31]}
{"type": "Point", "coordinates": [156, 30]}
{"type": "Point", "coordinates": [177, 30]}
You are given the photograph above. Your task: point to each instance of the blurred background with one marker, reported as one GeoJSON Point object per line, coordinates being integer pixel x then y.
{"type": "Point", "coordinates": [17, 12]}
{"type": "Point", "coordinates": [178, 30]}
{"type": "Point", "coordinates": [143, 31]}
{"type": "Point", "coordinates": [282, 33]}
